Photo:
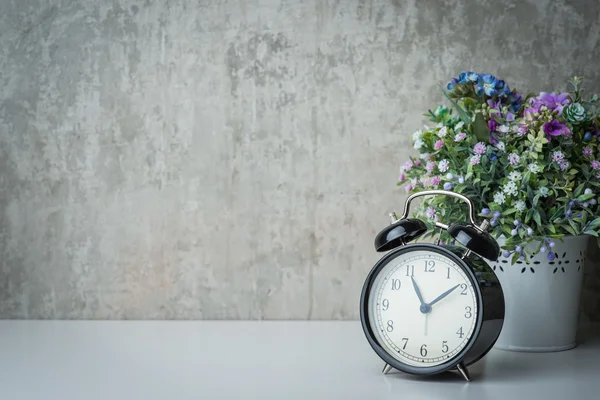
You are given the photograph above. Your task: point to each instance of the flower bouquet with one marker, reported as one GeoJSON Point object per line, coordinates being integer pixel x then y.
{"type": "Point", "coordinates": [530, 163]}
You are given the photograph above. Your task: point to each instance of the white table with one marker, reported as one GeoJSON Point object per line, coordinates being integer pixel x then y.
{"type": "Point", "coordinates": [179, 360]}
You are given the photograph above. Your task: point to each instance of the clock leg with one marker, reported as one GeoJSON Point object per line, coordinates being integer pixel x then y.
{"type": "Point", "coordinates": [464, 372]}
{"type": "Point", "coordinates": [386, 368]}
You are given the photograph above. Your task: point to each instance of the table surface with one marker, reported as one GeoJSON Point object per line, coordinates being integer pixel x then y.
{"type": "Point", "coordinates": [88, 360]}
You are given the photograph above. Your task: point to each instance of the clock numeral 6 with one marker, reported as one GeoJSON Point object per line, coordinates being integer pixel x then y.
{"type": "Point", "coordinates": [390, 326]}
{"type": "Point", "coordinates": [396, 284]}
{"type": "Point", "coordinates": [468, 313]}
{"type": "Point", "coordinates": [386, 304]}
{"type": "Point", "coordinates": [444, 346]}
{"type": "Point", "coordinates": [424, 350]}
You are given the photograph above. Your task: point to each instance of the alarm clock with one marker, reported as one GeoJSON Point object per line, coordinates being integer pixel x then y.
{"type": "Point", "coordinates": [427, 308]}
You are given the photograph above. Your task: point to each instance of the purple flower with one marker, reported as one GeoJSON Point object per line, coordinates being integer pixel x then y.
{"type": "Point", "coordinates": [438, 145]}
{"type": "Point", "coordinates": [460, 136]}
{"type": "Point", "coordinates": [448, 186]}
{"type": "Point", "coordinates": [553, 101]}
{"type": "Point", "coordinates": [476, 159]}
{"type": "Point", "coordinates": [479, 148]}
{"type": "Point", "coordinates": [595, 164]}
{"type": "Point", "coordinates": [513, 158]}
{"type": "Point", "coordinates": [556, 128]}
{"type": "Point", "coordinates": [587, 152]}
{"type": "Point", "coordinates": [430, 212]}
{"type": "Point", "coordinates": [430, 166]}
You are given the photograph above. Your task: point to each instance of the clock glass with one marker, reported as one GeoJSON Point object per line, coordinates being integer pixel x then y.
{"type": "Point", "coordinates": [422, 308]}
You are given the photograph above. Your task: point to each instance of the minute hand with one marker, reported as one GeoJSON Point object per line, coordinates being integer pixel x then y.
{"type": "Point", "coordinates": [441, 296]}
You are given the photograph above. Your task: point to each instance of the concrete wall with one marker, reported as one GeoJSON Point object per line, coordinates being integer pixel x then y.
{"type": "Point", "coordinates": [234, 159]}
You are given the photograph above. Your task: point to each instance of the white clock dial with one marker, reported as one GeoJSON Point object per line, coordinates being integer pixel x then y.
{"type": "Point", "coordinates": [425, 331]}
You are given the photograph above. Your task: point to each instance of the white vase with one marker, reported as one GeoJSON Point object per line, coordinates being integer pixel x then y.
{"type": "Point", "coordinates": [542, 297]}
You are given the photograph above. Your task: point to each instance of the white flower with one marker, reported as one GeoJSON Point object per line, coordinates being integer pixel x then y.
{"type": "Point", "coordinates": [520, 205]}
{"type": "Point", "coordinates": [534, 168]}
{"type": "Point", "coordinates": [514, 176]}
{"type": "Point", "coordinates": [587, 191]}
{"type": "Point", "coordinates": [503, 129]}
{"type": "Point", "coordinates": [544, 191]}
{"type": "Point", "coordinates": [459, 125]}
{"type": "Point", "coordinates": [418, 144]}
{"type": "Point", "coordinates": [440, 124]}
{"type": "Point", "coordinates": [500, 146]}
{"type": "Point", "coordinates": [510, 188]}
{"type": "Point", "coordinates": [424, 156]}
{"type": "Point", "coordinates": [417, 135]}
{"type": "Point", "coordinates": [442, 132]}
{"type": "Point", "coordinates": [444, 165]}
{"type": "Point", "coordinates": [499, 198]}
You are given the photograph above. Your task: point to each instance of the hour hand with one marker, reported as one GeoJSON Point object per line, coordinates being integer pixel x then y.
{"type": "Point", "coordinates": [441, 296]}
{"type": "Point", "coordinates": [417, 290]}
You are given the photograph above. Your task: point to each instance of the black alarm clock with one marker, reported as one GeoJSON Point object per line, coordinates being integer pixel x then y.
{"type": "Point", "coordinates": [427, 308]}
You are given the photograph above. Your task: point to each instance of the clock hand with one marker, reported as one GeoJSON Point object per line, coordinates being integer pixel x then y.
{"type": "Point", "coordinates": [417, 290]}
{"type": "Point", "coordinates": [440, 297]}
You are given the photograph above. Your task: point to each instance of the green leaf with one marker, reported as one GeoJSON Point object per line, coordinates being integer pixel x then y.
{"type": "Point", "coordinates": [591, 232]}
{"type": "Point", "coordinates": [536, 218]}
{"type": "Point", "coordinates": [461, 113]}
{"type": "Point", "coordinates": [480, 129]}
{"type": "Point", "coordinates": [574, 225]}
{"type": "Point", "coordinates": [594, 224]}
{"type": "Point", "coordinates": [585, 197]}
{"type": "Point", "coordinates": [570, 230]}
{"type": "Point", "coordinates": [528, 215]}
{"type": "Point", "coordinates": [514, 258]}
{"type": "Point", "coordinates": [552, 229]}
{"type": "Point", "coordinates": [579, 190]}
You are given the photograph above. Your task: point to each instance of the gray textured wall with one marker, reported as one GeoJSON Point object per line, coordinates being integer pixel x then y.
{"type": "Point", "coordinates": [233, 159]}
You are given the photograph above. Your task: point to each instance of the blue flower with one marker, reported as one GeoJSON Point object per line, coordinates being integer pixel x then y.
{"type": "Point", "coordinates": [463, 78]}
{"type": "Point", "coordinates": [452, 83]}
{"type": "Point", "coordinates": [489, 84]}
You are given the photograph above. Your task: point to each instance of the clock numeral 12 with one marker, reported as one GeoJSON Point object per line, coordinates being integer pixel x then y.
{"type": "Point", "coordinates": [410, 270]}
{"type": "Point", "coordinates": [429, 266]}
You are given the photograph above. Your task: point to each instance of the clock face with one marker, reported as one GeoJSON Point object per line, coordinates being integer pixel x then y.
{"type": "Point", "coordinates": [422, 308]}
